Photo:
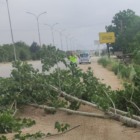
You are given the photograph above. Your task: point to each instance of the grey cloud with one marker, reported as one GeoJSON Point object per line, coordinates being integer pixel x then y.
{"type": "Point", "coordinates": [83, 19]}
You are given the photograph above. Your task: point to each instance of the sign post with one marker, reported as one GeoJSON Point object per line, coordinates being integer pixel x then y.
{"type": "Point", "coordinates": [107, 38]}
{"type": "Point", "coordinates": [108, 51]}
{"type": "Point", "coordinates": [96, 42]}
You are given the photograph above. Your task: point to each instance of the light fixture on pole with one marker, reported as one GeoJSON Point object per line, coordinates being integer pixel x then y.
{"type": "Point", "coordinates": [52, 30]}
{"type": "Point", "coordinates": [37, 17]}
{"type": "Point", "coordinates": [61, 37]}
{"type": "Point", "coordinates": [11, 30]}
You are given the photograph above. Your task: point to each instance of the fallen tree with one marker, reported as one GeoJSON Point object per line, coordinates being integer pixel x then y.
{"type": "Point", "coordinates": [94, 105]}
{"type": "Point", "coordinates": [116, 117]}
{"type": "Point", "coordinates": [60, 90]}
{"type": "Point", "coordinates": [125, 113]}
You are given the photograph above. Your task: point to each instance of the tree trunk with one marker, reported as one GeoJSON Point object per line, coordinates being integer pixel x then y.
{"type": "Point", "coordinates": [74, 98]}
{"type": "Point", "coordinates": [122, 119]}
{"type": "Point", "coordinates": [70, 111]}
{"type": "Point", "coordinates": [125, 113]}
{"type": "Point", "coordinates": [91, 104]}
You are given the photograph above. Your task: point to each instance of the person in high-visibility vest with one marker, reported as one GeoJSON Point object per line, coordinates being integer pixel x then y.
{"type": "Point", "coordinates": [73, 59]}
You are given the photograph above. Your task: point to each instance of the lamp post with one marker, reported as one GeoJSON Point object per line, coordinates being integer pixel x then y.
{"type": "Point", "coordinates": [67, 41]}
{"type": "Point", "coordinates": [52, 30]}
{"type": "Point", "coordinates": [71, 42]}
{"type": "Point", "coordinates": [11, 30]}
{"type": "Point", "coordinates": [76, 48]}
{"type": "Point", "coordinates": [61, 37]}
{"type": "Point", "coordinates": [37, 18]}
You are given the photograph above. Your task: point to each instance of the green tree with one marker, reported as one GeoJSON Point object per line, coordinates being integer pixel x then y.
{"type": "Point", "coordinates": [134, 47]}
{"type": "Point", "coordinates": [3, 54]}
{"type": "Point", "coordinates": [34, 47]}
{"type": "Point", "coordinates": [130, 23]}
{"type": "Point", "coordinates": [10, 52]}
{"type": "Point", "coordinates": [23, 50]}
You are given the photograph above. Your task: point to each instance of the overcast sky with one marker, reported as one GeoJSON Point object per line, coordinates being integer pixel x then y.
{"type": "Point", "coordinates": [82, 19]}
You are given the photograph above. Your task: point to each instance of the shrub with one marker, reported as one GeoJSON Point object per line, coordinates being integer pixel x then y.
{"type": "Point", "coordinates": [117, 67]}
{"type": "Point", "coordinates": [9, 123]}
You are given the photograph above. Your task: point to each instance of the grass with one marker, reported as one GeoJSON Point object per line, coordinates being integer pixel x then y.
{"type": "Point", "coordinates": [119, 69]}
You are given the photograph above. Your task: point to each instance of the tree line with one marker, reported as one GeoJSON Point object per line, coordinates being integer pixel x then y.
{"type": "Point", "coordinates": [126, 25]}
{"type": "Point", "coordinates": [23, 52]}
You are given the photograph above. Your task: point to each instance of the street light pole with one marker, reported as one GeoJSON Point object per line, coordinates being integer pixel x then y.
{"type": "Point", "coordinates": [71, 42]}
{"type": "Point", "coordinates": [37, 18]}
{"type": "Point", "coordinates": [76, 48]}
{"type": "Point", "coordinates": [61, 37]}
{"type": "Point", "coordinates": [52, 31]}
{"type": "Point", "coordinates": [11, 30]}
{"type": "Point", "coordinates": [67, 41]}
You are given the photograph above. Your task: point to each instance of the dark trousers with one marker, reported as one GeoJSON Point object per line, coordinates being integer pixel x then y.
{"type": "Point", "coordinates": [74, 65]}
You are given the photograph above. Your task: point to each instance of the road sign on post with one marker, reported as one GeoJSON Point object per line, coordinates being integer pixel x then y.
{"type": "Point", "coordinates": [97, 42]}
{"type": "Point", "coordinates": [107, 37]}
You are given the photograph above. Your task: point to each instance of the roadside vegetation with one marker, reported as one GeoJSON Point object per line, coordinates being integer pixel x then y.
{"type": "Point", "coordinates": [123, 72]}
{"type": "Point", "coordinates": [68, 89]}
{"type": "Point", "coordinates": [127, 35]}
{"type": "Point", "coordinates": [23, 52]}
{"type": "Point", "coordinates": [127, 40]}
{"type": "Point", "coordinates": [53, 92]}
{"type": "Point", "coordinates": [129, 98]}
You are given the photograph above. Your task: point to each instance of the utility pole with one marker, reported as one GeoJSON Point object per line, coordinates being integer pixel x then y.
{"type": "Point", "coordinates": [121, 23]}
{"type": "Point", "coordinates": [71, 42]}
{"type": "Point", "coordinates": [97, 42]}
{"type": "Point", "coordinates": [11, 30]}
{"type": "Point", "coordinates": [99, 48]}
{"type": "Point", "coordinates": [67, 41]}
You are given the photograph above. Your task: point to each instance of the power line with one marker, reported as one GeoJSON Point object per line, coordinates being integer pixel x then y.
{"type": "Point", "coordinates": [25, 30]}
{"type": "Point", "coordinates": [57, 28]}
{"type": "Point", "coordinates": [88, 25]}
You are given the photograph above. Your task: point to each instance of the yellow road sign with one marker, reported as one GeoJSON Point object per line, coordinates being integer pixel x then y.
{"type": "Point", "coordinates": [107, 37]}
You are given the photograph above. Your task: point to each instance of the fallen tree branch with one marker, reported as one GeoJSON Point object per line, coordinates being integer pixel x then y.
{"type": "Point", "coordinates": [75, 90]}
{"type": "Point", "coordinates": [58, 72]}
{"type": "Point", "coordinates": [125, 113]}
{"type": "Point", "coordinates": [51, 135]}
{"type": "Point", "coordinates": [110, 100]}
{"type": "Point", "coordinates": [132, 94]}
{"type": "Point", "coordinates": [116, 117]}
{"type": "Point", "coordinates": [133, 104]}
{"type": "Point", "coordinates": [15, 108]}
{"type": "Point", "coordinates": [69, 111]}
{"type": "Point", "coordinates": [91, 104]}
{"type": "Point", "coordinates": [15, 113]}
{"type": "Point", "coordinates": [74, 98]}
{"type": "Point", "coordinates": [12, 105]}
